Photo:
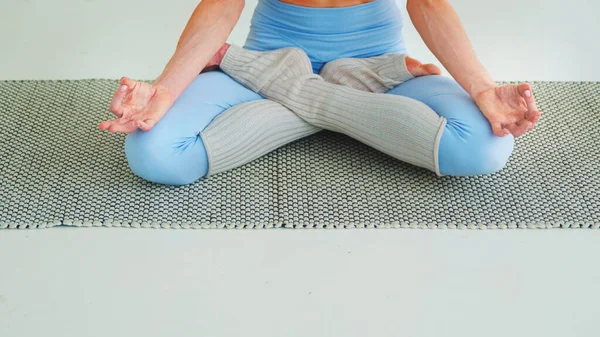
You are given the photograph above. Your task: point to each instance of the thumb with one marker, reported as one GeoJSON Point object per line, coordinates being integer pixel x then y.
{"type": "Point", "coordinates": [498, 130]}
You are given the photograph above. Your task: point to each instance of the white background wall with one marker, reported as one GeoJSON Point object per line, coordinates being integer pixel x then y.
{"type": "Point", "coordinates": [70, 39]}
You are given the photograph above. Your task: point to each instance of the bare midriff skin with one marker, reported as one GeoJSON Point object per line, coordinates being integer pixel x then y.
{"type": "Point", "coordinates": [510, 109]}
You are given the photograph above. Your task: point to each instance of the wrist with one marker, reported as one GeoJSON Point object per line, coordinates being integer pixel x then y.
{"type": "Point", "coordinates": [166, 87]}
{"type": "Point", "coordinates": [163, 90]}
{"type": "Point", "coordinates": [481, 86]}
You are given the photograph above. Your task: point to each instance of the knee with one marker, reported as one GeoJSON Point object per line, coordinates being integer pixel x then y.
{"type": "Point", "coordinates": [467, 145]}
{"type": "Point", "coordinates": [155, 157]}
{"type": "Point", "coordinates": [493, 155]}
{"type": "Point", "coordinates": [471, 151]}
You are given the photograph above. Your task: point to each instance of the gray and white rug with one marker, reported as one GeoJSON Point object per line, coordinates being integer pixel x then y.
{"type": "Point", "coordinates": [57, 168]}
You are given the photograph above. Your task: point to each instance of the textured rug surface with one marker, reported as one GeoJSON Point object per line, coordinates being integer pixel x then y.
{"type": "Point", "coordinates": [58, 168]}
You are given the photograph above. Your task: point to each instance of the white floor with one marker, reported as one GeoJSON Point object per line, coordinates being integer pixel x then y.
{"type": "Point", "coordinates": [146, 282]}
{"type": "Point", "coordinates": [138, 282]}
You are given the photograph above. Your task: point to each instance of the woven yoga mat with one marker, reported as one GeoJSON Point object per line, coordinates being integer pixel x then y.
{"type": "Point", "coordinates": [58, 168]}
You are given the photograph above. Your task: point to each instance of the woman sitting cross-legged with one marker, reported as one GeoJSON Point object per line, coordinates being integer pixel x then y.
{"type": "Point", "coordinates": [305, 68]}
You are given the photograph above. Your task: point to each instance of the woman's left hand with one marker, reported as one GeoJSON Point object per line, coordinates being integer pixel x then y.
{"type": "Point", "coordinates": [509, 108]}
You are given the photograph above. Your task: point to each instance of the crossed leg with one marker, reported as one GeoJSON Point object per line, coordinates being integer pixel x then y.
{"type": "Point", "coordinates": [215, 125]}
{"type": "Point", "coordinates": [468, 145]}
{"type": "Point", "coordinates": [218, 124]}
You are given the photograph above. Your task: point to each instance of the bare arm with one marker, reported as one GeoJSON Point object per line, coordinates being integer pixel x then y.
{"type": "Point", "coordinates": [443, 33]}
{"type": "Point", "coordinates": [206, 31]}
{"type": "Point", "coordinates": [509, 108]}
{"type": "Point", "coordinates": [141, 105]}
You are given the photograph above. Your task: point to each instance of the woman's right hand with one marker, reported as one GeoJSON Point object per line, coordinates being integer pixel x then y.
{"type": "Point", "coordinates": [137, 105]}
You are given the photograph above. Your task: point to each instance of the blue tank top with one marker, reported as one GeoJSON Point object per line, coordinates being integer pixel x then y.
{"type": "Point", "coordinates": [326, 34]}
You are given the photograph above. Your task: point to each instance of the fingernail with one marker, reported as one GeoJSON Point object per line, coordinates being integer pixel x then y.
{"type": "Point", "coordinates": [123, 88]}
{"type": "Point", "coordinates": [527, 93]}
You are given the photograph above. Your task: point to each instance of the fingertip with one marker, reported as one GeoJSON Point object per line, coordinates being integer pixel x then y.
{"type": "Point", "coordinates": [525, 86]}
{"type": "Point", "coordinates": [140, 125]}
{"type": "Point", "coordinates": [501, 133]}
{"type": "Point", "coordinates": [127, 81]}
{"type": "Point", "coordinates": [524, 90]}
{"type": "Point", "coordinates": [517, 131]}
{"type": "Point", "coordinates": [104, 125]}
{"type": "Point", "coordinates": [497, 129]}
{"type": "Point", "coordinates": [145, 125]}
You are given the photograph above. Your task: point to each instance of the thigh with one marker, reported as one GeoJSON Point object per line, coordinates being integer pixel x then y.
{"type": "Point", "coordinates": [172, 152]}
{"type": "Point", "coordinates": [467, 146]}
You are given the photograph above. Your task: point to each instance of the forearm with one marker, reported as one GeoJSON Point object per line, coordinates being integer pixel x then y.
{"type": "Point", "coordinates": [443, 33]}
{"type": "Point", "coordinates": [206, 31]}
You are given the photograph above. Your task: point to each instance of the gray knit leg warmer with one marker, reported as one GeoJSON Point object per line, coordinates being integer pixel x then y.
{"type": "Point", "coordinates": [248, 131]}
{"type": "Point", "coordinates": [374, 74]}
{"type": "Point", "coordinates": [399, 126]}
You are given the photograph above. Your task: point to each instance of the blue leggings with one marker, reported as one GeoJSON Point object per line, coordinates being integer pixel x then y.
{"type": "Point", "coordinates": [173, 153]}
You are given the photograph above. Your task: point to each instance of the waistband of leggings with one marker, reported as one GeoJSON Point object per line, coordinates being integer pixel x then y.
{"type": "Point", "coordinates": [336, 20]}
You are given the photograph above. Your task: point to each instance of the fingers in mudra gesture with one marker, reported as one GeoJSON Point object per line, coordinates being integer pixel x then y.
{"type": "Point", "coordinates": [510, 109]}
{"type": "Point", "coordinates": [136, 105]}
